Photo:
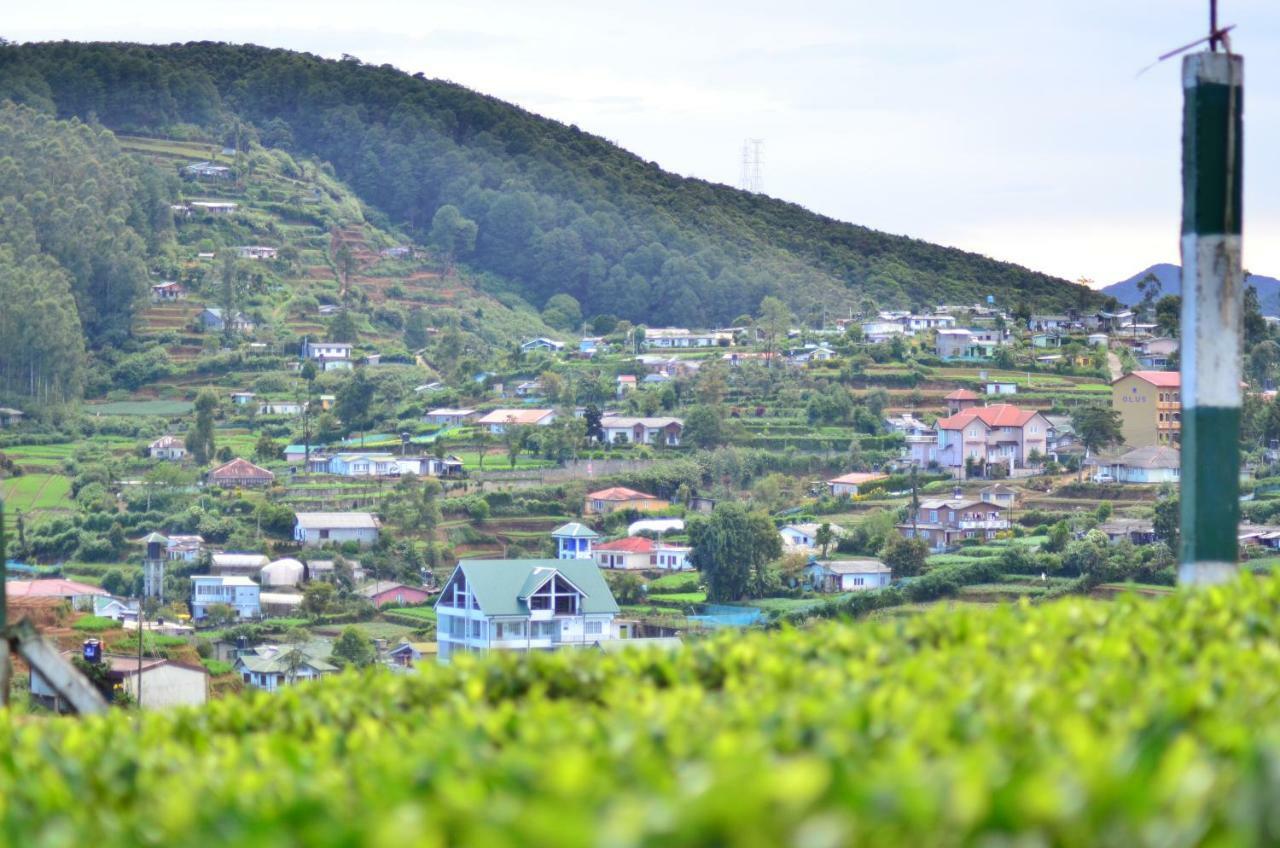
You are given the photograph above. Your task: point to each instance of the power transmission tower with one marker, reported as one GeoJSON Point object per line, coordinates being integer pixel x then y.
{"type": "Point", "coordinates": [751, 179]}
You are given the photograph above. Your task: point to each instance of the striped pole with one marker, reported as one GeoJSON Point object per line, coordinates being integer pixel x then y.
{"type": "Point", "coordinates": [1212, 311]}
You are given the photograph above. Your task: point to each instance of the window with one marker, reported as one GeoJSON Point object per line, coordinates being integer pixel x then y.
{"type": "Point", "coordinates": [594, 628]}
{"type": "Point", "coordinates": [324, 534]}
{"type": "Point", "coordinates": [475, 629]}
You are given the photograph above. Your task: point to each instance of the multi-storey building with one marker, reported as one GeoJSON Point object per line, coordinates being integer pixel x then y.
{"type": "Point", "coordinates": [987, 435]}
{"type": "Point", "coordinates": [1150, 407]}
{"type": "Point", "coordinates": [523, 605]}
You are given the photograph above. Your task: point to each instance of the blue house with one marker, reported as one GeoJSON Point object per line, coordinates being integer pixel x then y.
{"type": "Point", "coordinates": [573, 541]}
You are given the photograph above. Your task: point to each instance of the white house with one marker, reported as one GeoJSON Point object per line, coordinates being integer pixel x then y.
{"type": "Point", "coordinates": [184, 547]}
{"type": "Point", "coordinates": [363, 465]}
{"type": "Point", "coordinates": [542, 343]}
{"type": "Point", "coordinates": [280, 407]}
{"type": "Point", "coordinates": [239, 593]}
{"type": "Point", "coordinates": [1151, 464]}
{"type": "Point", "coordinates": [852, 483]}
{"type": "Point", "coordinates": [680, 337]}
{"type": "Point", "coordinates": [256, 252]}
{"type": "Point", "coordinates": [323, 528]}
{"type": "Point", "coordinates": [328, 356]}
{"type": "Point", "coordinates": [523, 605]}
{"type": "Point", "coordinates": [272, 667]}
{"type": "Point", "coordinates": [212, 319]}
{"type": "Point", "coordinates": [447, 417]}
{"type": "Point", "coordinates": [645, 431]}
{"type": "Point", "coordinates": [852, 575]}
{"type": "Point", "coordinates": [499, 420]}
{"type": "Point", "coordinates": [874, 332]}
{"type": "Point", "coordinates": [165, 683]}
{"type": "Point", "coordinates": [640, 552]}
{"type": "Point", "coordinates": [168, 447]}
{"type": "Point", "coordinates": [805, 536]}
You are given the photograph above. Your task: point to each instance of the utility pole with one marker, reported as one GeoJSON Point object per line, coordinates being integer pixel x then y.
{"type": "Point", "coordinates": [1212, 310]}
{"type": "Point", "coordinates": [4, 615]}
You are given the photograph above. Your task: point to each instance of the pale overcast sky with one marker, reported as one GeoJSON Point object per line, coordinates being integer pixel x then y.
{"type": "Point", "coordinates": [1016, 129]}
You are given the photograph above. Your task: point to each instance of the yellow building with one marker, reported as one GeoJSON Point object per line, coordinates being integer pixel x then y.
{"type": "Point", "coordinates": [1150, 407]}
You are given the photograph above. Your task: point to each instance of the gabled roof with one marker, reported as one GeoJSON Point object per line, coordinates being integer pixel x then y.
{"type": "Point", "coordinates": [997, 415]}
{"type": "Point", "coordinates": [337, 521]}
{"type": "Point", "coordinates": [165, 442]}
{"type": "Point", "coordinates": [627, 545]}
{"type": "Point", "coordinates": [1160, 379]}
{"type": "Point", "coordinates": [239, 560]}
{"type": "Point", "coordinates": [857, 478]}
{"type": "Point", "coordinates": [51, 588]}
{"type": "Point", "coordinates": [614, 422]}
{"type": "Point", "coordinates": [574, 530]}
{"type": "Point", "coordinates": [515, 416]}
{"type": "Point", "coordinates": [961, 394]}
{"type": "Point", "coordinates": [1152, 456]}
{"type": "Point", "coordinates": [620, 493]}
{"type": "Point", "coordinates": [240, 468]}
{"type": "Point", "coordinates": [855, 566]}
{"type": "Point", "coordinates": [498, 584]}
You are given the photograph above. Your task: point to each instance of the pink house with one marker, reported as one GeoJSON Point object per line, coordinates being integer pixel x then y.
{"type": "Point", "coordinates": [988, 435]}
{"type": "Point", "coordinates": [383, 594]}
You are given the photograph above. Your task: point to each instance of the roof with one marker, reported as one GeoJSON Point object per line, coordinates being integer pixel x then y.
{"type": "Point", "coordinates": [857, 478]}
{"type": "Point", "coordinates": [282, 572]}
{"type": "Point", "coordinates": [378, 587]}
{"type": "Point", "coordinates": [337, 520]}
{"type": "Point", "coordinates": [620, 493]}
{"type": "Point", "coordinates": [1152, 456]}
{"type": "Point", "coordinates": [574, 530]}
{"type": "Point", "coordinates": [655, 525]}
{"type": "Point", "coordinates": [1160, 379]}
{"type": "Point", "coordinates": [855, 566]}
{"type": "Point", "coordinates": [627, 544]}
{"type": "Point", "coordinates": [515, 416]}
{"type": "Point", "coordinates": [811, 528]}
{"type": "Point", "coordinates": [961, 394]}
{"type": "Point", "coordinates": [278, 663]}
{"type": "Point", "coordinates": [279, 599]}
{"type": "Point", "coordinates": [154, 537]}
{"type": "Point", "coordinates": [451, 412]}
{"type": "Point", "coordinates": [54, 587]}
{"type": "Point", "coordinates": [240, 468]}
{"type": "Point", "coordinates": [225, 560]}
{"type": "Point", "coordinates": [997, 415]}
{"type": "Point", "coordinates": [609, 422]}
{"type": "Point", "coordinates": [498, 584]}
{"type": "Point", "coordinates": [226, 579]}
{"type": "Point", "coordinates": [956, 503]}
{"type": "Point", "coordinates": [170, 441]}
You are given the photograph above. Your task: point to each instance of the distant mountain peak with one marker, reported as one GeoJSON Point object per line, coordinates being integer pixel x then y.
{"type": "Point", "coordinates": [1170, 277]}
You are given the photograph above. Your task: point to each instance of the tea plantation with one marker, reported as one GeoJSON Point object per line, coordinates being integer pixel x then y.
{"type": "Point", "coordinates": [1073, 723]}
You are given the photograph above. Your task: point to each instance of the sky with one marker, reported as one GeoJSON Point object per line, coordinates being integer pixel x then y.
{"type": "Point", "coordinates": [1020, 130]}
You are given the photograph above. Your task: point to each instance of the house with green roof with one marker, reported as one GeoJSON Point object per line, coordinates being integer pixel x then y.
{"type": "Point", "coordinates": [272, 667]}
{"type": "Point", "coordinates": [574, 540]}
{"type": "Point", "coordinates": [523, 605]}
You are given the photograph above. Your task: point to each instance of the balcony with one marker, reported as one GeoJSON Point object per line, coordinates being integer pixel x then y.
{"type": "Point", "coordinates": [985, 524]}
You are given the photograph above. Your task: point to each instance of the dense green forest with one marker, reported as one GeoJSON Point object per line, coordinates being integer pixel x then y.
{"type": "Point", "coordinates": [553, 208]}
{"type": "Point", "coordinates": [79, 219]}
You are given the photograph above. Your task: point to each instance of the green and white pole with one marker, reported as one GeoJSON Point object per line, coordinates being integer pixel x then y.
{"type": "Point", "coordinates": [1212, 312]}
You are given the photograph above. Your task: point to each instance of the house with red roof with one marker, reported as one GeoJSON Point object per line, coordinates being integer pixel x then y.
{"type": "Point", "coordinates": [638, 552]}
{"type": "Point", "coordinates": [80, 595]}
{"type": "Point", "coordinates": [240, 473]}
{"type": "Point", "coordinates": [960, 400]}
{"type": "Point", "coordinates": [620, 497]}
{"type": "Point", "coordinates": [988, 435]}
{"type": "Point", "coordinates": [1150, 407]}
{"type": "Point", "coordinates": [852, 483]}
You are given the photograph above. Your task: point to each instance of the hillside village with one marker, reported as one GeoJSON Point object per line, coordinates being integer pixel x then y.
{"type": "Point", "coordinates": [332, 447]}
{"type": "Point", "coordinates": [328, 444]}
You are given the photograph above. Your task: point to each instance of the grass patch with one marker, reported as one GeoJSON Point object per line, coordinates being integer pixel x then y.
{"type": "Point", "coordinates": [167, 408]}
{"type": "Point", "coordinates": [217, 667]}
{"type": "Point", "coordinates": [95, 624]}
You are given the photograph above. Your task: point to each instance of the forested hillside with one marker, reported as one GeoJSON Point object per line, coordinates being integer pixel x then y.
{"type": "Point", "coordinates": [78, 216]}
{"type": "Point", "coordinates": [556, 209]}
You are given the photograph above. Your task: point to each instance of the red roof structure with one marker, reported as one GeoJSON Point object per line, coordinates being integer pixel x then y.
{"type": "Point", "coordinates": [997, 415]}
{"type": "Point", "coordinates": [240, 470]}
{"type": "Point", "coordinates": [51, 588]}
{"type": "Point", "coordinates": [620, 493]}
{"type": "Point", "coordinates": [627, 544]}
{"type": "Point", "coordinates": [961, 394]}
{"type": "Point", "coordinates": [1160, 379]}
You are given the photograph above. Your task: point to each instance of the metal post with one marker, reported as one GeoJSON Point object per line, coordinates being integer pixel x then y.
{"type": "Point", "coordinates": [1212, 315]}
{"type": "Point", "coordinates": [4, 615]}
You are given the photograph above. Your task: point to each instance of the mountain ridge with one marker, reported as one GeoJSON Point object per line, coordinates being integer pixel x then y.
{"type": "Point", "coordinates": [1170, 277]}
{"type": "Point", "coordinates": [557, 210]}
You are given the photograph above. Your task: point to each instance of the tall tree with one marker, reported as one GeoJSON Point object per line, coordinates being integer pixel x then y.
{"type": "Point", "coordinates": [200, 439]}
{"type": "Point", "coordinates": [775, 322]}
{"type": "Point", "coordinates": [228, 296]}
{"type": "Point", "coordinates": [732, 549]}
{"type": "Point", "coordinates": [1097, 427]}
{"type": "Point", "coordinates": [452, 234]}
{"type": "Point", "coordinates": [353, 401]}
